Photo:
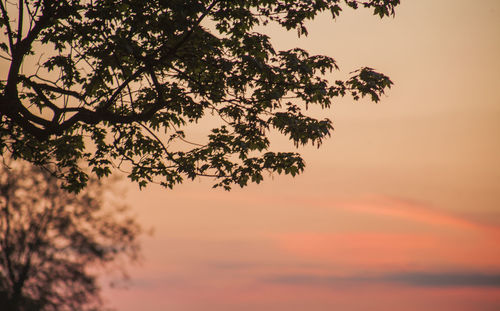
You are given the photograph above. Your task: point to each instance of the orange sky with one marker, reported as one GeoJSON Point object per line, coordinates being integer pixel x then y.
{"type": "Point", "coordinates": [399, 210]}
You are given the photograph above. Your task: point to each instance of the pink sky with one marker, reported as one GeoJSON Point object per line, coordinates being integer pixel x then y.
{"type": "Point", "coordinates": [399, 210]}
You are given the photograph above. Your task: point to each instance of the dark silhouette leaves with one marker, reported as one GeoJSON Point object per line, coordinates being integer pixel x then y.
{"type": "Point", "coordinates": [115, 83]}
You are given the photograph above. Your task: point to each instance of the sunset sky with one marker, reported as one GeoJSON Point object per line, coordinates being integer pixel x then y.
{"type": "Point", "coordinates": [398, 210]}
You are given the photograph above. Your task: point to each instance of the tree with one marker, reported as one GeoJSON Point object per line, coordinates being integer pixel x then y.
{"type": "Point", "coordinates": [117, 83]}
{"type": "Point", "coordinates": [50, 239]}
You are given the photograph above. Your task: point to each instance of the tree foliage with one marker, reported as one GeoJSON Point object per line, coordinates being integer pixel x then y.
{"type": "Point", "coordinates": [117, 83]}
{"type": "Point", "coordinates": [50, 239]}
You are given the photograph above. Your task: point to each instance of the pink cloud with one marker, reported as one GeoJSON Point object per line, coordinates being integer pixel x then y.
{"type": "Point", "coordinates": [437, 239]}
{"type": "Point", "coordinates": [417, 212]}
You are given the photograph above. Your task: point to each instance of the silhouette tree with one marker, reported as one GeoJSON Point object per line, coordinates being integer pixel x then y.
{"type": "Point", "coordinates": [116, 83]}
{"type": "Point", "coordinates": [50, 239]}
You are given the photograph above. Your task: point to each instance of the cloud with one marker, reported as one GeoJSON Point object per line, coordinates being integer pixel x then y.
{"type": "Point", "coordinates": [446, 279]}
{"type": "Point", "coordinates": [233, 266]}
{"type": "Point", "coordinates": [420, 279]}
{"type": "Point", "coordinates": [418, 212]}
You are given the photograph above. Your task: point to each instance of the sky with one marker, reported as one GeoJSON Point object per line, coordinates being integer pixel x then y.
{"type": "Point", "coordinates": [398, 210]}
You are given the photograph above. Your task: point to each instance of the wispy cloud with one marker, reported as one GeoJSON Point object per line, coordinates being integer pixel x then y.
{"type": "Point", "coordinates": [418, 212]}
{"type": "Point", "coordinates": [420, 279]}
{"type": "Point", "coordinates": [446, 279]}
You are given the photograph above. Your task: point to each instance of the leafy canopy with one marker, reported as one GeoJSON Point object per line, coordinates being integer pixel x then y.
{"type": "Point", "coordinates": [117, 83]}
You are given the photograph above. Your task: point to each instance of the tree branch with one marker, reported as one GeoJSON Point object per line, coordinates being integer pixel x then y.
{"type": "Point", "coordinates": [6, 20]}
{"type": "Point", "coordinates": [20, 19]}
{"type": "Point", "coordinates": [21, 48]}
{"type": "Point", "coordinates": [120, 88]}
{"type": "Point", "coordinates": [51, 88]}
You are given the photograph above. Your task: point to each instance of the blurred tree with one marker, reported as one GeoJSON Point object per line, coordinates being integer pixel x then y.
{"type": "Point", "coordinates": [50, 239]}
{"type": "Point", "coordinates": [115, 83]}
